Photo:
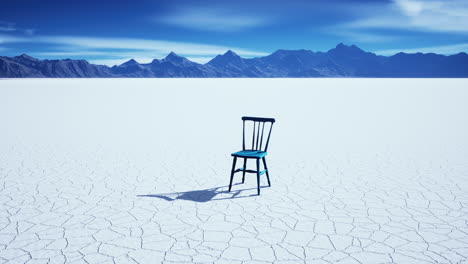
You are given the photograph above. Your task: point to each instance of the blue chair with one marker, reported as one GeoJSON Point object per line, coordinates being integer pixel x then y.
{"type": "Point", "coordinates": [257, 151]}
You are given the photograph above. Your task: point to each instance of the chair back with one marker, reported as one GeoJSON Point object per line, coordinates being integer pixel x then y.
{"type": "Point", "coordinates": [258, 141]}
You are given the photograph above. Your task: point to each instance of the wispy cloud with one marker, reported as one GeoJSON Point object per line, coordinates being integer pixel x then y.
{"type": "Point", "coordinates": [29, 31]}
{"type": "Point", "coordinates": [359, 36]}
{"type": "Point", "coordinates": [112, 50]}
{"type": "Point", "coordinates": [447, 50]}
{"type": "Point", "coordinates": [73, 53]}
{"type": "Point", "coordinates": [423, 15]}
{"type": "Point", "coordinates": [10, 39]}
{"type": "Point", "coordinates": [7, 26]}
{"type": "Point", "coordinates": [213, 19]}
{"type": "Point", "coordinates": [156, 46]}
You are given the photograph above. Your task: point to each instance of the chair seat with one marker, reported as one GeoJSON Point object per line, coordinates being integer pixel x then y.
{"type": "Point", "coordinates": [250, 154]}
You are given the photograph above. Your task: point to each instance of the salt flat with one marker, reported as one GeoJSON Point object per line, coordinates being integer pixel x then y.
{"type": "Point", "coordinates": [136, 171]}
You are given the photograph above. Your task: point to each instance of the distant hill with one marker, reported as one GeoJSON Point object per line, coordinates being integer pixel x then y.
{"type": "Point", "coordinates": [341, 61]}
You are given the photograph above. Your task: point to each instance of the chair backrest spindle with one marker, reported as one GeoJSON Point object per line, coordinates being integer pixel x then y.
{"type": "Point", "coordinates": [243, 134]}
{"type": "Point", "coordinates": [258, 136]}
{"type": "Point", "coordinates": [253, 135]}
{"type": "Point", "coordinates": [261, 138]}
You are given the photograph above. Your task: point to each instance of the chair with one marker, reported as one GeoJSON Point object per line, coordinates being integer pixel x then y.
{"type": "Point", "coordinates": [255, 152]}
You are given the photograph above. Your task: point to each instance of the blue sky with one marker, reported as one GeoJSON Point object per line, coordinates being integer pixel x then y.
{"type": "Point", "coordinates": [111, 32]}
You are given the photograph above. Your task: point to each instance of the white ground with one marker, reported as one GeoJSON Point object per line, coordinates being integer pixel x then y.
{"type": "Point", "coordinates": [135, 171]}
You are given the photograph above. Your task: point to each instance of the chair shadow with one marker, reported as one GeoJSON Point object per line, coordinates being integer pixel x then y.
{"type": "Point", "coordinates": [202, 196]}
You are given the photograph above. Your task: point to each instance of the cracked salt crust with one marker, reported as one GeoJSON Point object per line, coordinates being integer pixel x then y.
{"type": "Point", "coordinates": [361, 225]}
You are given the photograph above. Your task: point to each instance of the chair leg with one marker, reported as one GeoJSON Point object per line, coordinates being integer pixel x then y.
{"type": "Point", "coordinates": [245, 167]}
{"type": "Point", "coordinates": [266, 171]}
{"type": "Point", "coordinates": [258, 176]}
{"type": "Point", "coordinates": [232, 172]}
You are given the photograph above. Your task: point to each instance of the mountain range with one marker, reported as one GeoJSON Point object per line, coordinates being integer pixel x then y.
{"type": "Point", "coordinates": [341, 61]}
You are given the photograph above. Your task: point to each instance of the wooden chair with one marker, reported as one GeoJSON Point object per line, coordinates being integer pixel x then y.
{"type": "Point", "coordinates": [257, 151]}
